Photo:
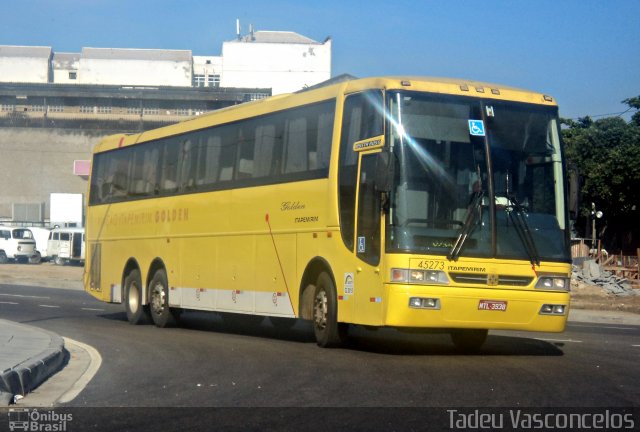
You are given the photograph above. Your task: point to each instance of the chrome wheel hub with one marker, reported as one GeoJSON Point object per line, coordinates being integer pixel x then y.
{"type": "Point", "coordinates": [134, 298]}
{"type": "Point", "coordinates": [157, 299]}
{"type": "Point", "coordinates": [320, 310]}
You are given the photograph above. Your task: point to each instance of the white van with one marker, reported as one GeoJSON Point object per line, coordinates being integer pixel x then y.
{"type": "Point", "coordinates": [41, 236]}
{"type": "Point", "coordinates": [66, 245]}
{"type": "Point", "coordinates": [16, 244]}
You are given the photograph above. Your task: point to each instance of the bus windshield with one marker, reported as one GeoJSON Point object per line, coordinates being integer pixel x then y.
{"type": "Point", "coordinates": [476, 177]}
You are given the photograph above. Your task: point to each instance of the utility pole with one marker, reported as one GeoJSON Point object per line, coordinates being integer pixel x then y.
{"type": "Point", "coordinates": [594, 215]}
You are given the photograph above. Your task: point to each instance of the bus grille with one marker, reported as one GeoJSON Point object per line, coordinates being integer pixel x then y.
{"type": "Point", "coordinates": [483, 279]}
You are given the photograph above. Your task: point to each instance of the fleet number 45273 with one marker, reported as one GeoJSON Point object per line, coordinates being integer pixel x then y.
{"type": "Point", "coordinates": [431, 265]}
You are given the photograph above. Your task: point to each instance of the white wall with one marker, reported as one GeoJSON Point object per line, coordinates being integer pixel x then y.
{"type": "Point", "coordinates": [24, 69]}
{"type": "Point", "coordinates": [135, 67]}
{"type": "Point", "coordinates": [283, 67]}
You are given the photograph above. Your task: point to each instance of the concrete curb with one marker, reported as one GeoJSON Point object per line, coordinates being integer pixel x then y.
{"type": "Point", "coordinates": [29, 374]}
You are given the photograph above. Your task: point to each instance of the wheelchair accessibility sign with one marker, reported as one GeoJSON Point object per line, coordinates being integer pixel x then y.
{"type": "Point", "coordinates": [476, 127]}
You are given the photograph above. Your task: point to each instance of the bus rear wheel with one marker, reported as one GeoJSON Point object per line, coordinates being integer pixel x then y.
{"type": "Point", "coordinates": [328, 331]}
{"type": "Point", "coordinates": [469, 340]}
{"type": "Point", "coordinates": [137, 313]}
{"type": "Point", "coordinates": [161, 314]}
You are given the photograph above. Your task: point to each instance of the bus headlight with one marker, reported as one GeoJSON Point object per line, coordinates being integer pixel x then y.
{"type": "Point", "coordinates": [419, 276]}
{"type": "Point", "coordinates": [554, 283]}
{"type": "Point", "coordinates": [552, 309]}
{"type": "Point", "coordinates": [424, 303]}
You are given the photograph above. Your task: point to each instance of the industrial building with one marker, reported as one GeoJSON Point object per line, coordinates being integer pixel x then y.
{"type": "Point", "coordinates": [54, 106]}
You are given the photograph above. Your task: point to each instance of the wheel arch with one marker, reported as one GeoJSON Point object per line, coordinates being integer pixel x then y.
{"type": "Point", "coordinates": [313, 269]}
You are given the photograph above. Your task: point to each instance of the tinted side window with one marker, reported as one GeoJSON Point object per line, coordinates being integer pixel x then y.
{"type": "Point", "coordinates": [289, 145]}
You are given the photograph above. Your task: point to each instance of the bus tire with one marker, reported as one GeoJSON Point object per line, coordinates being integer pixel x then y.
{"type": "Point", "coordinates": [469, 340]}
{"type": "Point", "coordinates": [161, 313]}
{"type": "Point", "coordinates": [59, 261]}
{"type": "Point", "coordinates": [3, 257]}
{"type": "Point", "coordinates": [328, 331]}
{"type": "Point", "coordinates": [137, 313]}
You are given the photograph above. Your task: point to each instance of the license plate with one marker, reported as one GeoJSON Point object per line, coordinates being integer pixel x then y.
{"type": "Point", "coordinates": [492, 305]}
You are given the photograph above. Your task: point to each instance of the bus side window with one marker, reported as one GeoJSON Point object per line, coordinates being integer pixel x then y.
{"type": "Point", "coordinates": [264, 150]}
{"type": "Point", "coordinates": [169, 171]}
{"type": "Point", "coordinates": [97, 179]}
{"type": "Point", "coordinates": [246, 148]}
{"type": "Point", "coordinates": [137, 187]}
{"type": "Point", "coordinates": [208, 160]}
{"type": "Point", "coordinates": [120, 179]}
{"type": "Point", "coordinates": [295, 145]}
{"type": "Point", "coordinates": [151, 159]}
{"type": "Point", "coordinates": [187, 165]}
{"type": "Point", "coordinates": [227, 153]}
{"type": "Point", "coordinates": [319, 158]}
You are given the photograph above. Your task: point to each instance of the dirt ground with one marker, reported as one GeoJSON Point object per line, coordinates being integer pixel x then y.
{"type": "Point", "coordinates": [593, 297]}
{"type": "Point", "coordinates": [44, 274]}
{"type": "Point", "coordinates": [70, 276]}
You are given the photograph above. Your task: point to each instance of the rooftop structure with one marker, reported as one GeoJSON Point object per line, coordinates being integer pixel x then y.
{"type": "Point", "coordinates": [283, 61]}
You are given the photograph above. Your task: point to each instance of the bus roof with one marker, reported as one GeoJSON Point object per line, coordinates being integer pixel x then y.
{"type": "Point", "coordinates": [332, 88]}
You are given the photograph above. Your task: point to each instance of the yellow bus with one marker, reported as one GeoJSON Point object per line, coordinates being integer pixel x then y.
{"type": "Point", "coordinates": [410, 203]}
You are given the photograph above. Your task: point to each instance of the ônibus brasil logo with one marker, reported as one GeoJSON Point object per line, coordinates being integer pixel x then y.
{"type": "Point", "coordinates": [32, 420]}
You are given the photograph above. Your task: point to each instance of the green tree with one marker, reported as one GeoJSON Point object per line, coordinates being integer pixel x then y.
{"type": "Point", "coordinates": [634, 103]}
{"type": "Point", "coordinates": [606, 155]}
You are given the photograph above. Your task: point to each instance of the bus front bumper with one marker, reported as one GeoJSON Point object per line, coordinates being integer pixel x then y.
{"type": "Point", "coordinates": [457, 307]}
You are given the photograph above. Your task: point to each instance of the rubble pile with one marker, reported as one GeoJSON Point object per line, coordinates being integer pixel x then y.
{"type": "Point", "coordinates": [592, 274]}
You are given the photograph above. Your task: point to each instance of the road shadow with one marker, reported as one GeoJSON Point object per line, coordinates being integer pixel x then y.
{"type": "Point", "coordinates": [396, 343]}
{"type": "Point", "coordinates": [237, 324]}
{"type": "Point", "coordinates": [386, 341]}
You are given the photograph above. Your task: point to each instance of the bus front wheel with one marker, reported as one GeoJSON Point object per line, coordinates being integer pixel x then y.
{"type": "Point", "coordinates": [137, 313]}
{"type": "Point", "coordinates": [328, 331]}
{"type": "Point", "coordinates": [161, 313]}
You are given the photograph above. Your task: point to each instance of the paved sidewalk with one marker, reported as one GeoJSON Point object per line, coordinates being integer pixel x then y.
{"type": "Point", "coordinates": [28, 356]}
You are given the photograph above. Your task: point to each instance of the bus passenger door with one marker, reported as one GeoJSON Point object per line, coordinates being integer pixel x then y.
{"type": "Point", "coordinates": [362, 119]}
{"type": "Point", "coordinates": [368, 277]}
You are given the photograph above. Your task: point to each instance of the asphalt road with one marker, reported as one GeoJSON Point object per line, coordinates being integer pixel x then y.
{"type": "Point", "coordinates": [207, 363]}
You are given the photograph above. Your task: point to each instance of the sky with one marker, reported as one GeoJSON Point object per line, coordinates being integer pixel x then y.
{"type": "Point", "coordinates": [585, 53]}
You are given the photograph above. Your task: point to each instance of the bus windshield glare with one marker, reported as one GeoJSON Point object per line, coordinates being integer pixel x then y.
{"type": "Point", "coordinates": [476, 177]}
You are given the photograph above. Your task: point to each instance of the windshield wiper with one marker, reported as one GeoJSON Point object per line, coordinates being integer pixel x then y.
{"type": "Point", "coordinates": [517, 215]}
{"type": "Point", "coordinates": [467, 228]}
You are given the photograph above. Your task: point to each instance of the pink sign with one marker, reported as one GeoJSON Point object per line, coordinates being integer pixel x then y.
{"type": "Point", "coordinates": [81, 167]}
